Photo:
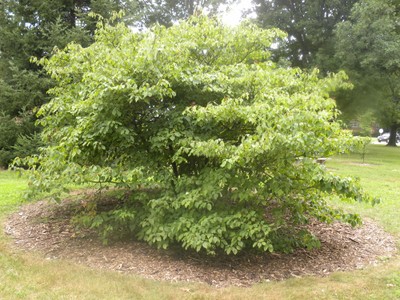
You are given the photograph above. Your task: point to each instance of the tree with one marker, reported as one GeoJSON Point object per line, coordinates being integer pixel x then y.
{"type": "Point", "coordinates": [368, 46]}
{"type": "Point", "coordinates": [216, 145]}
{"type": "Point", "coordinates": [166, 12]}
{"type": "Point", "coordinates": [34, 28]}
{"type": "Point", "coordinates": [309, 25]}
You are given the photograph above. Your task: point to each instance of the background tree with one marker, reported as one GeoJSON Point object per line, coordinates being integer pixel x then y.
{"type": "Point", "coordinates": [310, 25]}
{"type": "Point", "coordinates": [34, 28]}
{"type": "Point", "coordinates": [368, 46]}
{"type": "Point", "coordinates": [166, 12]}
{"type": "Point", "coordinates": [312, 43]}
{"type": "Point", "coordinates": [216, 145]}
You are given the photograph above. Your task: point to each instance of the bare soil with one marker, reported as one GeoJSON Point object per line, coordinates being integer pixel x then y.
{"type": "Point", "coordinates": [46, 228]}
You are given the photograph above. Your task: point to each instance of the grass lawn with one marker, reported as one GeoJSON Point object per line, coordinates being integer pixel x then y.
{"type": "Point", "coordinates": [28, 276]}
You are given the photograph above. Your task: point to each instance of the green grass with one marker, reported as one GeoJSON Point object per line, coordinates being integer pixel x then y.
{"type": "Point", "coordinates": [11, 188]}
{"type": "Point", "coordinates": [379, 175]}
{"type": "Point", "coordinates": [28, 276]}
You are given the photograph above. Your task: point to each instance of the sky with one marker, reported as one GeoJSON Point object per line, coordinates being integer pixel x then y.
{"type": "Point", "coordinates": [234, 15]}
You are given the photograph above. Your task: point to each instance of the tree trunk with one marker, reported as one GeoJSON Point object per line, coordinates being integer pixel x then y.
{"type": "Point", "coordinates": [392, 138]}
{"type": "Point", "coordinates": [190, 7]}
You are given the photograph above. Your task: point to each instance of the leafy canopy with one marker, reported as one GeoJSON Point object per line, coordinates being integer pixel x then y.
{"type": "Point", "coordinates": [310, 25]}
{"type": "Point", "coordinates": [167, 12]}
{"type": "Point", "coordinates": [368, 46]}
{"type": "Point", "coordinates": [216, 144]}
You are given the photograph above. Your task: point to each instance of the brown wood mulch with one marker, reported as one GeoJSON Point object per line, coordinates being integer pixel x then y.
{"type": "Point", "coordinates": [45, 227]}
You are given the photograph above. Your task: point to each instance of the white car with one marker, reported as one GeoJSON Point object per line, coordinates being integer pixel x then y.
{"type": "Point", "coordinates": [384, 137]}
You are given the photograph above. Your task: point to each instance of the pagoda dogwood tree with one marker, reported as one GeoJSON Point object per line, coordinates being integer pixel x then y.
{"type": "Point", "coordinates": [216, 145]}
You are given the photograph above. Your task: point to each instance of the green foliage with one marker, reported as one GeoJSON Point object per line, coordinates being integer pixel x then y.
{"type": "Point", "coordinates": [363, 150]}
{"type": "Point", "coordinates": [216, 143]}
{"type": "Point", "coordinates": [367, 45]}
{"type": "Point", "coordinates": [27, 145]}
{"type": "Point", "coordinates": [310, 26]}
{"type": "Point", "coordinates": [167, 12]}
{"type": "Point", "coordinates": [34, 28]}
{"type": "Point", "coordinates": [28, 275]}
{"type": "Point", "coordinates": [311, 43]}
{"type": "Point", "coordinates": [13, 131]}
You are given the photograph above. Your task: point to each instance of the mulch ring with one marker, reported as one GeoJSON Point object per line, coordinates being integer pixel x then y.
{"type": "Point", "coordinates": [45, 227]}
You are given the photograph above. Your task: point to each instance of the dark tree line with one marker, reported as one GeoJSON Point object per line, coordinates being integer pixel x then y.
{"type": "Point", "coordinates": [32, 29]}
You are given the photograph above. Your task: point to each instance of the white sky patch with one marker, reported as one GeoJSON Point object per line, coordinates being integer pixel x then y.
{"type": "Point", "coordinates": [234, 15]}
